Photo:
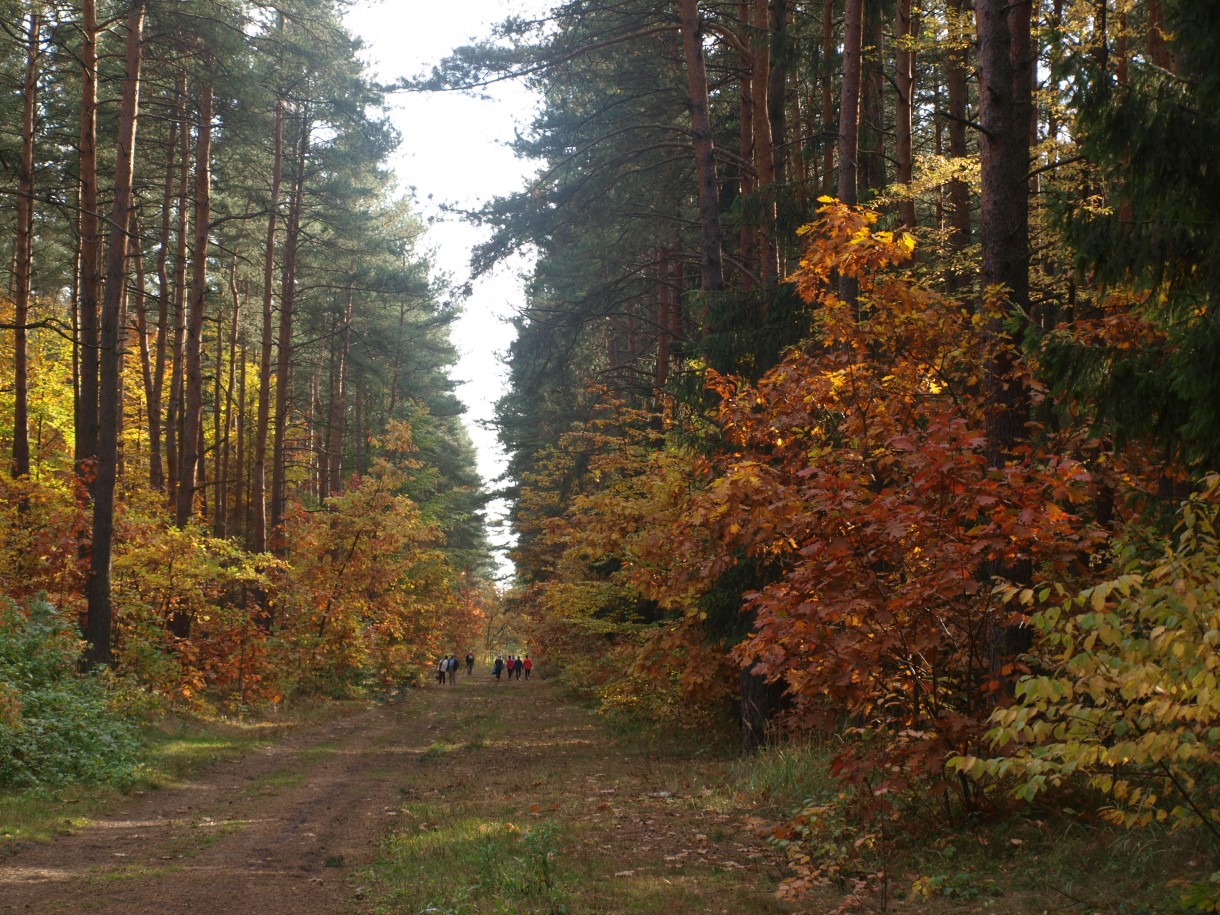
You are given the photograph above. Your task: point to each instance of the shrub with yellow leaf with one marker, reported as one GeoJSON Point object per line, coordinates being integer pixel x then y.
{"type": "Point", "coordinates": [1130, 700]}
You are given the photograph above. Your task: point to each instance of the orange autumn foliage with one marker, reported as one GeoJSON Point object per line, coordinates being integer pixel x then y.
{"type": "Point", "coordinates": [856, 474]}
{"type": "Point", "coordinates": [366, 584]}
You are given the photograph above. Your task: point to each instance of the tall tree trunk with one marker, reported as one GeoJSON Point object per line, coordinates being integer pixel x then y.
{"type": "Point", "coordinates": [22, 249]}
{"type": "Point", "coordinates": [89, 283]}
{"type": "Point", "coordinates": [337, 420]}
{"type": "Point", "coordinates": [288, 279]}
{"type": "Point", "coordinates": [396, 375]}
{"type": "Point", "coordinates": [849, 103]}
{"type": "Point", "coordinates": [173, 417]}
{"type": "Point", "coordinates": [1005, 62]}
{"type": "Point", "coordinates": [904, 84]}
{"type": "Point", "coordinates": [849, 120]}
{"type": "Point", "coordinates": [138, 310]}
{"type": "Point", "coordinates": [764, 147]}
{"type": "Point", "coordinates": [957, 89]}
{"type": "Point", "coordinates": [156, 465]}
{"type": "Point", "coordinates": [241, 485]}
{"type": "Point", "coordinates": [711, 244]}
{"type": "Point", "coordinates": [777, 111]}
{"type": "Point", "coordinates": [1158, 49]}
{"type": "Point", "coordinates": [99, 615]}
{"type": "Point", "coordinates": [826, 78]}
{"type": "Point", "coordinates": [664, 321]}
{"type": "Point", "coordinates": [218, 412]}
{"type": "Point", "coordinates": [192, 417]}
{"type": "Point", "coordinates": [747, 183]}
{"type": "Point", "coordinates": [313, 438]}
{"type": "Point", "coordinates": [258, 476]}
{"type": "Point", "coordinates": [227, 489]}
{"type": "Point", "coordinates": [872, 162]}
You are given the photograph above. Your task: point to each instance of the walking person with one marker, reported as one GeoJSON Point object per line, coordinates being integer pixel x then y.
{"type": "Point", "coordinates": [453, 666]}
{"type": "Point", "coordinates": [527, 665]}
{"type": "Point", "coordinates": [518, 666]}
{"type": "Point", "coordinates": [498, 667]}
{"type": "Point", "coordinates": [469, 663]}
{"type": "Point", "coordinates": [442, 667]}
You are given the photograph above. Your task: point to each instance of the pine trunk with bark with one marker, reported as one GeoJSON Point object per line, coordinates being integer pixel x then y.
{"type": "Point", "coordinates": [283, 378]}
{"type": "Point", "coordinates": [22, 249]}
{"type": "Point", "coordinates": [337, 416]}
{"type": "Point", "coordinates": [711, 244]}
{"type": "Point", "coordinates": [227, 488]}
{"type": "Point", "coordinates": [89, 281]}
{"type": "Point", "coordinates": [192, 416]}
{"type": "Point", "coordinates": [764, 146]}
{"type": "Point", "coordinates": [173, 416]}
{"type": "Point", "coordinates": [849, 120]}
{"type": "Point", "coordinates": [1005, 64]}
{"type": "Point", "coordinates": [99, 613]}
{"type": "Point", "coordinates": [156, 462]}
{"type": "Point", "coordinates": [826, 78]}
{"type": "Point", "coordinates": [872, 161]}
{"type": "Point", "coordinates": [258, 474]}
{"type": "Point", "coordinates": [904, 108]}
{"type": "Point", "coordinates": [957, 89]}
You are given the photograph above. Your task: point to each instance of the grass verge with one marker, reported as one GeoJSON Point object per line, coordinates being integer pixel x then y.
{"type": "Point", "coordinates": [929, 861]}
{"type": "Point", "coordinates": [174, 750]}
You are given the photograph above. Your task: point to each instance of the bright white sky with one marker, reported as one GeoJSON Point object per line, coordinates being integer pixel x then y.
{"type": "Point", "coordinates": [453, 152]}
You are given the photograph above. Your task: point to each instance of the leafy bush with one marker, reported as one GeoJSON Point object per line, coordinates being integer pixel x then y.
{"type": "Point", "coordinates": [1131, 699]}
{"type": "Point", "coordinates": [55, 724]}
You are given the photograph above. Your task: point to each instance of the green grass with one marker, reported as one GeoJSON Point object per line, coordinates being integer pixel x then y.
{"type": "Point", "coordinates": [484, 854]}
{"type": "Point", "coordinates": [782, 777]}
{"type": "Point", "coordinates": [449, 860]}
{"type": "Point", "coordinates": [1019, 863]}
{"type": "Point", "coordinates": [439, 750]}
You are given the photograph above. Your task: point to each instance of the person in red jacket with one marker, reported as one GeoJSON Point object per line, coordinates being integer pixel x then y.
{"type": "Point", "coordinates": [527, 665]}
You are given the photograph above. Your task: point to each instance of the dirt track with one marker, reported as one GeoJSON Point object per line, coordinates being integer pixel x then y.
{"type": "Point", "coordinates": [283, 830]}
{"type": "Point", "coordinates": [272, 832]}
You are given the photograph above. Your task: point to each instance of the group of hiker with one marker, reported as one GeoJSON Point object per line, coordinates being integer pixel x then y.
{"type": "Point", "coordinates": [447, 667]}
{"type": "Point", "coordinates": [514, 667]}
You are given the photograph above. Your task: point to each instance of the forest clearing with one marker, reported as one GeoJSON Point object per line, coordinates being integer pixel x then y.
{"type": "Point", "coordinates": [857, 486]}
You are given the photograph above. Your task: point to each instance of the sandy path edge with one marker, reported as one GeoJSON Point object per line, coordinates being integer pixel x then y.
{"type": "Point", "coordinates": [275, 830]}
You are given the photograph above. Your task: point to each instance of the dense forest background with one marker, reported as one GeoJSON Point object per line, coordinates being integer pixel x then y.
{"type": "Point", "coordinates": [866, 383]}
{"type": "Point", "coordinates": [237, 462]}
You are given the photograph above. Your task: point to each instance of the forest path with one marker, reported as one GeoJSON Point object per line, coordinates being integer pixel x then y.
{"type": "Point", "coordinates": [287, 829]}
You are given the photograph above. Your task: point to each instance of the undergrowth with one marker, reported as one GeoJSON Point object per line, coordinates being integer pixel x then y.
{"type": "Point", "coordinates": [57, 726]}
{"type": "Point", "coordinates": [848, 852]}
